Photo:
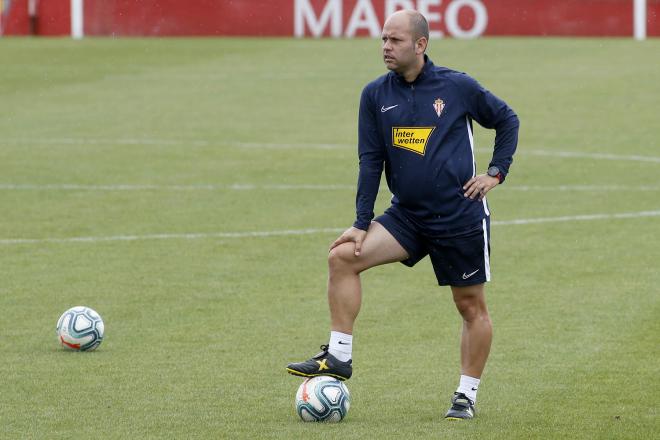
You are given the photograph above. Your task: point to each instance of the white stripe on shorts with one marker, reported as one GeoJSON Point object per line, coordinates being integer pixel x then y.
{"type": "Point", "coordinates": [486, 255]}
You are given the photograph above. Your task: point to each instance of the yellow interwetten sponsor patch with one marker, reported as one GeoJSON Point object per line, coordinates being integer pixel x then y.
{"type": "Point", "coordinates": [412, 138]}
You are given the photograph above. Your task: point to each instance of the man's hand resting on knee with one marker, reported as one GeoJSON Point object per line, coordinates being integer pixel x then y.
{"type": "Point", "coordinates": [351, 234]}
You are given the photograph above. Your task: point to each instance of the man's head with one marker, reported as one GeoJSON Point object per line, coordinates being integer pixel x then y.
{"type": "Point", "coordinates": [405, 37]}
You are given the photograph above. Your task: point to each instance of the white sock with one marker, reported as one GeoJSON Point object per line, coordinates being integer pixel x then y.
{"type": "Point", "coordinates": [341, 346]}
{"type": "Point", "coordinates": [469, 386]}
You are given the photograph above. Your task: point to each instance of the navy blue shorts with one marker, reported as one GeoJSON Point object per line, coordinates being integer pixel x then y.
{"type": "Point", "coordinates": [460, 257]}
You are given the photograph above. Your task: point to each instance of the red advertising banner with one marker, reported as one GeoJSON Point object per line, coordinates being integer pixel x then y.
{"type": "Point", "coordinates": [331, 18]}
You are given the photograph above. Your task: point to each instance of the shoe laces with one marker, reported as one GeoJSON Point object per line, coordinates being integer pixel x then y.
{"type": "Point", "coordinates": [324, 351]}
{"type": "Point", "coordinates": [459, 398]}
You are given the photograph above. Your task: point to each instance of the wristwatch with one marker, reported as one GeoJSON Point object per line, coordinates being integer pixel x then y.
{"type": "Point", "coordinates": [495, 172]}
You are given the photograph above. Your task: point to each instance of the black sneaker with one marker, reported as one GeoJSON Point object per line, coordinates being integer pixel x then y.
{"type": "Point", "coordinates": [461, 408]}
{"type": "Point", "coordinates": [323, 364]}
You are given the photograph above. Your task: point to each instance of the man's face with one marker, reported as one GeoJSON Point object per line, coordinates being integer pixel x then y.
{"type": "Point", "coordinates": [398, 44]}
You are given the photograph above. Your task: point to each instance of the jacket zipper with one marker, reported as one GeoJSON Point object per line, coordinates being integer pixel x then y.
{"type": "Point", "coordinates": [414, 104]}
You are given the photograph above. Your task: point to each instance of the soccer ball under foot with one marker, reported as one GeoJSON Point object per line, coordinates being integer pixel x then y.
{"type": "Point", "coordinates": [322, 399]}
{"type": "Point", "coordinates": [80, 329]}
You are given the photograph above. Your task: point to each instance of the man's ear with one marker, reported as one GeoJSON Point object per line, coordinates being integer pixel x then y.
{"type": "Point", "coordinates": [420, 45]}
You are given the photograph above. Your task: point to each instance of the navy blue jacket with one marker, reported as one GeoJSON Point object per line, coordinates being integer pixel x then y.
{"type": "Point", "coordinates": [421, 134]}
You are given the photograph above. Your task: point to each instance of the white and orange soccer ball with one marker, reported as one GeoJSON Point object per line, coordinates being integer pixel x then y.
{"type": "Point", "coordinates": [322, 399]}
{"type": "Point", "coordinates": [80, 329]}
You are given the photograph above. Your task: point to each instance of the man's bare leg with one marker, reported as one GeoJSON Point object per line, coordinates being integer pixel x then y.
{"type": "Point", "coordinates": [477, 328]}
{"type": "Point", "coordinates": [353, 252]}
{"type": "Point", "coordinates": [475, 347]}
{"type": "Point", "coordinates": [344, 289]}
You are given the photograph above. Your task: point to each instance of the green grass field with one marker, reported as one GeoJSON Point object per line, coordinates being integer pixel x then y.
{"type": "Point", "coordinates": [134, 145]}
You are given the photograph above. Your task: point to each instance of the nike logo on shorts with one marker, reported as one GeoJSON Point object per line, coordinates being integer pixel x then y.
{"type": "Point", "coordinates": [465, 277]}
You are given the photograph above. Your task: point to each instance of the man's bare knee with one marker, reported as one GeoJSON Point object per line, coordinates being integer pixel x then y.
{"type": "Point", "coordinates": [342, 258]}
{"type": "Point", "coordinates": [472, 308]}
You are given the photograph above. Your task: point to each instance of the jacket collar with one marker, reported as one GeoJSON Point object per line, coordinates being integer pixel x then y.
{"type": "Point", "coordinates": [428, 65]}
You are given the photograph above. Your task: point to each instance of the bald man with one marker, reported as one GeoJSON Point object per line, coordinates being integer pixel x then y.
{"type": "Point", "coordinates": [415, 122]}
